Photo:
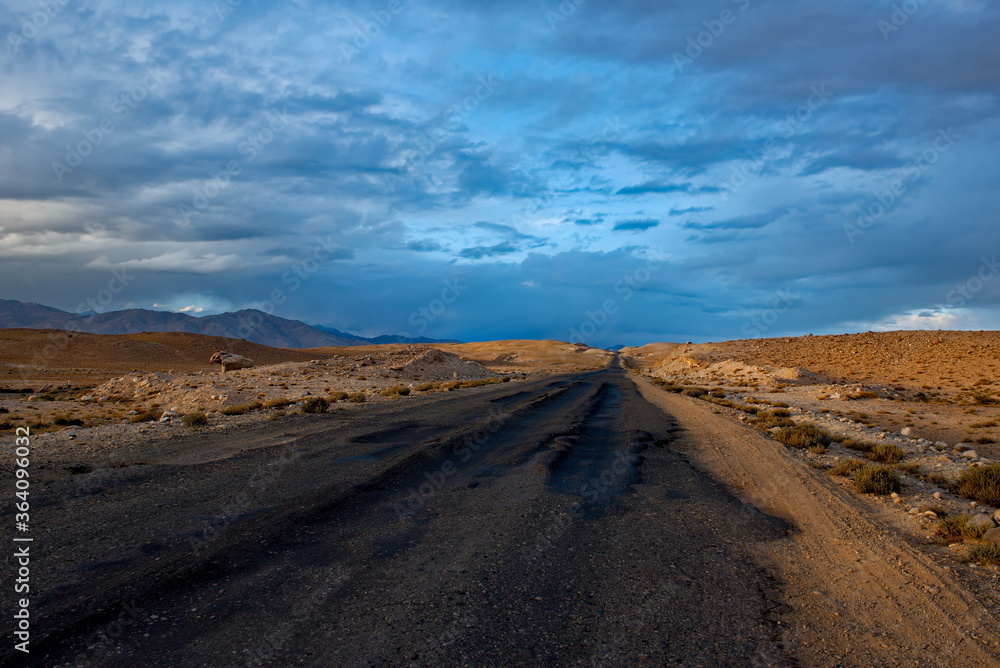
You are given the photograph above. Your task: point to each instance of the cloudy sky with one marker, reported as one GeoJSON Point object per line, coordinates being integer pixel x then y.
{"type": "Point", "coordinates": [609, 171]}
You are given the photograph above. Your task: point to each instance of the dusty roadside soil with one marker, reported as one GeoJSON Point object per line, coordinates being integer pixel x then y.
{"type": "Point", "coordinates": [856, 593]}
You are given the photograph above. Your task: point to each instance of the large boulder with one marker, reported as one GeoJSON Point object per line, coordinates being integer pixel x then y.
{"type": "Point", "coordinates": [980, 522]}
{"type": "Point", "coordinates": [230, 361]}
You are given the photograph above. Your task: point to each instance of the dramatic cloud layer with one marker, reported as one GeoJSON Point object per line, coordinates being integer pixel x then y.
{"type": "Point", "coordinates": [617, 172]}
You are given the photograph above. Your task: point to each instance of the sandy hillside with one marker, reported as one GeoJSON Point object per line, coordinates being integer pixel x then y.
{"type": "Point", "coordinates": [505, 356]}
{"type": "Point", "coordinates": [943, 386]}
{"type": "Point", "coordinates": [30, 357]}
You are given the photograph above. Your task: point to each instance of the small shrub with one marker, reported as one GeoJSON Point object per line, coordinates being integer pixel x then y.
{"type": "Point", "coordinates": [846, 467]}
{"type": "Point", "coordinates": [817, 449]}
{"type": "Point", "coordinates": [195, 420]}
{"type": "Point", "coordinates": [694, 392]}
{"type": "Point", "coordinates": [145, 416]}
{"type": "Point", "coordinates": [887, 453]}
{"type": "Point", "coordinates": [67, 422]}
{"type": "Point", "coordinates": [3, 410]}
{"type": "Point", "coordinates": [981, 483]}
{"type": "Point", "coordinates": [426, 387]}
{"type": "Point", "coordinates": [279, 402]}
{"type": "Point", "coordinates": [984, 440]}
{"type": "Point", "coordinates": [956, 527]}
{"type": "Point", "coordinates": [357, 398]}
{"type": "Point", "coordinates": [987, 555]}
{"type": "Point", "coordinates": [396, 391]}
{"type": "Point", "coordinates": [804, 435]}
{"type": "Point", "coordinates": [860, 446]}
{"type": "Point", "coordinates": [337, 396]}
{"type": "Point", "coordinates": [315, 405]}
{"type": "Point", "coordinates": [766, 420]}
{"type": "Point", "coordinates": [276, 415]}
{"type": "Point", "coordinates": [450, 385]}
{"type": "Point", "coordinates": [877, 479]}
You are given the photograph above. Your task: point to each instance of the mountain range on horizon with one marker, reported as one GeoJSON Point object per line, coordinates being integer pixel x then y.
{"type": "Point", "coordinates": [249, 324]}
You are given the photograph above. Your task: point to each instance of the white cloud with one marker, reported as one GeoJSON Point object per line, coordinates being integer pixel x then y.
{"type": "Point", "coordinates": [182, 261]}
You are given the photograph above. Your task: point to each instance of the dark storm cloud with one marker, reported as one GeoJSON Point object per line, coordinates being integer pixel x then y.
{"type": "Point", "coordinates": [635, 225]}
{"type": "Point", "coordinates": [773, 135]}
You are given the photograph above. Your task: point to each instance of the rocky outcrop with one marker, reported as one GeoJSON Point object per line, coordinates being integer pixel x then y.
{"type": "Point", "coordinates": [230, 361]}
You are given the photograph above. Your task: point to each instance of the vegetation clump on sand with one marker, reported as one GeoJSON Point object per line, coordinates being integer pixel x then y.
{"type": "Point", "coordinates": [956, 527]}
{"type": "Point", "coordinates": [195, 420]}
{"type": "Point", "coordinates": [315, 405]}
{"type": "Point", "coordinates": [981, 483]}
{"type": "Point", "coordinates": [877, 479]}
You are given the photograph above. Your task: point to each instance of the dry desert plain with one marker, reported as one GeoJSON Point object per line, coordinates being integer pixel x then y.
{"type": "Point", "coordinates": [787, 431]}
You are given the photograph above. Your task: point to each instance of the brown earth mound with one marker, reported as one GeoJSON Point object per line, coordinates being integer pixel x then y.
{"type": "Point", "coordinates": [439, 365]}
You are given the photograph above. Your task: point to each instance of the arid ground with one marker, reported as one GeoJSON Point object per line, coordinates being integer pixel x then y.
{"type": "Point", "coordinates": [512, 502]}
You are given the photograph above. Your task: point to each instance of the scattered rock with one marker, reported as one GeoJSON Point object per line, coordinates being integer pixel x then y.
{"type": "Point", "coordinates": [906, 431]}
{"type": "Point", "coordinates": [940, 446]}
{"type": "Point", "coordinates": [169, 415]}
{"type": "Point", "coordinates": [936, 495]}
{"type": "Point", "coordinates": [980, 522]}
{"type": "Point", "coordinates": [996, 517]}
{"type": "Point", "coordinates": [969, 454]}
{"type": "Point", "coordinates": [960, 447]}
{"type": "Point", "coordinates": [992, 536]}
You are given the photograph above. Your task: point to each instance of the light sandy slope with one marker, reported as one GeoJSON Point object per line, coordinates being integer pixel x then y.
{"type": "Point", "coordinates": [857, 594]}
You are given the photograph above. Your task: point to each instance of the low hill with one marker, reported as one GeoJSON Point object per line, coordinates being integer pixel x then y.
{"type": "Point", "coordinates": [30, 356]}
{"type": "Point", "coordinates": [936, 363]}
{"type": "Point", "coordinates": [506, 356]}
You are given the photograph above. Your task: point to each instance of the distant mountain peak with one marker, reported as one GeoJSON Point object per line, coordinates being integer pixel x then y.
{"type": "Point", "coordinates": [248, 324]}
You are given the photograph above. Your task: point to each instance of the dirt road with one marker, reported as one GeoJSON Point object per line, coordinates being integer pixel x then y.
{"type": "Point", "coordinates": [569, 520]}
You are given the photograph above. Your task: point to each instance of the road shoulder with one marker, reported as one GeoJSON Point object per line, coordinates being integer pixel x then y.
{"type": "Point", "coordinates": [856, 593]}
